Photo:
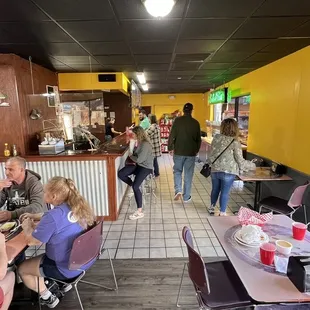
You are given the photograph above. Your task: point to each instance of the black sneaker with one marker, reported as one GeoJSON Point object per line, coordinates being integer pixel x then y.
{"type": "Point", "coordinates": [211, 210]}
{"type": "Point", "coordinates": [52, 302]}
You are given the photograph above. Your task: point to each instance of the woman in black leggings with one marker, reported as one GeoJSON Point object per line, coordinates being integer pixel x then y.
{"type": "Point", "coordinates": [140, 164]}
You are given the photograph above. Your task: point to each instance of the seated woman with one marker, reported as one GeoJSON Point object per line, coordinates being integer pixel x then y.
{"type": "Point", "coordinates": [58, 228]}
{"type": "Point", "coordinates": [140, 164]}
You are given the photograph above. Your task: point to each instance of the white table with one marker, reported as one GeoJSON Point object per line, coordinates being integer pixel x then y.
{"type": "Point", "coordinates": [262, 284]}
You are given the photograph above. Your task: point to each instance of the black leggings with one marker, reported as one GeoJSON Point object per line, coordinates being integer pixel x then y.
{"type": "Point", "coordinates": [140, 174]}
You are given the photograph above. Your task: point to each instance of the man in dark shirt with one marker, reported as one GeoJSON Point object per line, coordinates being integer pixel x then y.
{"type": "Point", "coordinates": [21, 192]}
{"type": "Point", "coordinates": [184, 144]}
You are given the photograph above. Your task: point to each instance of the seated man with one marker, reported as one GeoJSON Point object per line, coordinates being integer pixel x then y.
{"type": "Point", "coordinates": [7, 279]}
{"type": "Point", "coordinates": [22, 191]}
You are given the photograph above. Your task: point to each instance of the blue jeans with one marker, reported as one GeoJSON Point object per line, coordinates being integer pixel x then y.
{"type": "Point", "coordinates": [221, 185]}
{"type": "Point", "coordinates": [156, 167]}
{"type": "Point", "coordinates": [188, 164]}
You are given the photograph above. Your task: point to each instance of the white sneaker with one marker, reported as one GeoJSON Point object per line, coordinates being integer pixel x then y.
{"type": "Point", "coordinates": [222, 214]}
{"type": "Point", "coordinates": [177, 196]}
{"type": "Point", "coordinates": [188, 200]}
{"type": "Point", "coordinates": [136, 215]}
{"type": "Point", "coordinates": [211, 210]}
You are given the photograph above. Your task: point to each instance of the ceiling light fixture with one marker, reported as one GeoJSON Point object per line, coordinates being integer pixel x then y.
{"type": "Point", "coordinates": [179, 78]}
{"type": "Point", "coordinates": [141, 78]}
{"type": "Point", "coordinates": [145, 87]}
{"type": "Point", "coordinates": [159, 8]}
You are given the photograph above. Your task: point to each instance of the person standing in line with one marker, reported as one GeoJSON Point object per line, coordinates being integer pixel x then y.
{"type": "Point", "coordinates": [154, 133]}
{"type": "Point", "coordinates": [228, 165]}
{"type": "Point", "coordinates": [144, 121]}
{"type": "Point", "coordinates": [139, 164]}
{"type": "Point", "coordinates": [184, 144]}
{"type": "Point", "coordinates": [110, 132]}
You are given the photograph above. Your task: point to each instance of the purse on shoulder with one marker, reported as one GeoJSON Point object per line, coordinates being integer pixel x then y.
{"type": "Point", "coordinates": [206, 169]}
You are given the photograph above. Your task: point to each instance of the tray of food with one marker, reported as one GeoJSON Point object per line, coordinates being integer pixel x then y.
{"type": "Point", "coordinates": [10, 229]}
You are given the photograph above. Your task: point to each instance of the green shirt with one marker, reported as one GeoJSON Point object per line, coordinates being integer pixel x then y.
{"type": "Point", "coordinates": [145, 124]}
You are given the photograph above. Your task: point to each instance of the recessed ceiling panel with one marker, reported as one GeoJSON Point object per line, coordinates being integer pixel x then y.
{"type": "Point", "coordinates": [107, 48]}
{"type": "Point", "coordinates": [76, 9]}
{"type": "Point", "coordinates": [284, 8]}
{"type": "Point", "coordinates": [150, 30]}
{"type": "Point", "coordinates": [209, 28]}
{"type": "Point", "coordinates": [150, 47]}
{"type": "Point", "coordinates": [197, 46]}
{"type": "Point", "coordinates": [286, 45]}
{"type": "Point", "coordinates": [248, 45]}
{"type": "Point", "coordinates": [89, 31]}
{"type": "Point", "coordinates": [144, 59]}
{"type": "Point", "coordinates": [272, 27]}
{"type": "Point", "coordinates": [223, 8]}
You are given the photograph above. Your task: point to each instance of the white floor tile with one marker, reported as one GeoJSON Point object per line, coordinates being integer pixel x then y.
{"type": "Point", "coordinates": [174, 252]}
{"type": "Point", "coordinates": [170, 243]}
{"type": "Point", "coordinates": [207, 251]}
{"type": "Point", "coordinates": [142, 243]}
{"type": "Point", "coordinates": [141, 253]}
{"type": "Point", "coordinates": [157, 243]}
{"type": "Point", "coordinates": [124, 254]}
{"type": "Point", "coordinates": [158, 253]}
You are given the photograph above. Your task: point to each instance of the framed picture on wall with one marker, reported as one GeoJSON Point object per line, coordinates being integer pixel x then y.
{"type": "Point", "coordinates": [50, 94]}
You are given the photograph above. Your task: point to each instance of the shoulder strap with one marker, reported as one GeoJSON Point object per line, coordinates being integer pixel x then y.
{"type": "Point", "coordinates": [223, 151]}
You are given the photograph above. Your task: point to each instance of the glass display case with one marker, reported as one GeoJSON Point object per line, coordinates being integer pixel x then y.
{"type": "Point", "coordinates": [239, 109]}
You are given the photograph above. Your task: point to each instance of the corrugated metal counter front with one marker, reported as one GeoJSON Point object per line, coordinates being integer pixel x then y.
{"type": "Point", "coordinates": [95, 175]}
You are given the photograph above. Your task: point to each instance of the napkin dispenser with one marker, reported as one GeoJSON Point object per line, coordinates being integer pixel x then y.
{"type": "Point", "coordinates": [298, 271]}
{"type": "Point", "coordinates": [277, 168]}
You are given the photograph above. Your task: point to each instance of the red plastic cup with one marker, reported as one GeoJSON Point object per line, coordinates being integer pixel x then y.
{"type": "Point", "coordinates": [267, 252]}
{"type": "Point", "coordinates": [299, 230]}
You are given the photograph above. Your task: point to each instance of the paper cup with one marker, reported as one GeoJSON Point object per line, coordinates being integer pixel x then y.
{"type": "Point", "coordinates": [267, 252]}
{"type": "Point", "coordinates": [299, 230]}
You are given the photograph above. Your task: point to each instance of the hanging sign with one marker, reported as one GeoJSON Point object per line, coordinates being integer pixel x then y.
{"type": "Point", "coordinates": [222, 95]}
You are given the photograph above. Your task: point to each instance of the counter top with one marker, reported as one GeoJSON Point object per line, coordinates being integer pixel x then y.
{"type": "Point", "coordinates": [209, 141]}
{"type": "Point", "coordinates": [114, 148]}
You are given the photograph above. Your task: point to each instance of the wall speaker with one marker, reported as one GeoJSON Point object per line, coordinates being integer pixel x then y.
{"type": "Point", "coordinates": [106, 77]}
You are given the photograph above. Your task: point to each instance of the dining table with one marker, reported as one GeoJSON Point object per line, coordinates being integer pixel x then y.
{"type": "Point", "coordinates": [259, 175]}
{"type": "Point", "coordinates": [15, 246]}
{"type": "Point", "coordinates": [263, 283]}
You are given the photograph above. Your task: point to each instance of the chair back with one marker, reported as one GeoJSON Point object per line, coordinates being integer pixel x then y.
{"type": "Point", "coordinates": [297, 196]}
{"type": "Point", "coordinates": [196, 266]}
{"type": "Point", "coordinates": [86, 247]}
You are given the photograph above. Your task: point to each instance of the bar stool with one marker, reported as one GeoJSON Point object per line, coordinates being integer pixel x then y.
{"type": "Point", "coordinates": [147, 188]}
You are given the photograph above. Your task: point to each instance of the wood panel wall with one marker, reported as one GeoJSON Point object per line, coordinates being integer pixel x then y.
{"type": "Point", "coordinates": [118, 103]}
{"type": "Point", "coordinates": [25, 129]}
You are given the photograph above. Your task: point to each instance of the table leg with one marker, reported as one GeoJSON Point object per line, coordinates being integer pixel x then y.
{"type": "Point", "coordinates": [257, 195]}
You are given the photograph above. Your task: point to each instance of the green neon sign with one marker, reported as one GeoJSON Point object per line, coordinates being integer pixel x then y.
{"type": "Point", "coordinates": [222, 95]}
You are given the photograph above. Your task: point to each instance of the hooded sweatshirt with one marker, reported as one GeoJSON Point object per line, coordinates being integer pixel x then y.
{"type": "Point", "coordinates": [26, 197]}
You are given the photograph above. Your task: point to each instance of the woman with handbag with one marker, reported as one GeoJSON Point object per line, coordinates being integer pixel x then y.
{"type": "Point", "coordinates": [139, 164]}
{"type": "Point", "coordinates": [226, 161]}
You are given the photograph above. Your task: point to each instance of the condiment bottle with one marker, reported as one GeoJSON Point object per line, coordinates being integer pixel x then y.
{"type": "Point", "coordinates": [14, 151]}
{"type": "Point", "coordinates": [6, 152]}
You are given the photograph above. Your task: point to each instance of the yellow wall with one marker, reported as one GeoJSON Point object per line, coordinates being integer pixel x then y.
{"type": "Point", "coordinates": [280, 108]}
{"type": "Point", "coordinates": [161, 104]}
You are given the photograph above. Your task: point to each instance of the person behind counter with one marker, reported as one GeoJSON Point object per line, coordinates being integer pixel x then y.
{"type": "Point", "coordinates": [154, 133]}
{"type": "Point", "coordinates": [228, 165]}
{"type": "Point", "coordinates": [58, 228]}
{"type": "Point", "coordinates": [110, 132]}
{"type": "Point", "coordinates": [21, 192]}
{"type": "Point", "coordinates": [144, 120]}
{"type": "Point", "coordinates": [139, 164]}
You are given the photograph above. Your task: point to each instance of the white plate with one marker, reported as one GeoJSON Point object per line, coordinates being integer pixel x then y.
{"type": "Point", "coordinates": [238, 238]}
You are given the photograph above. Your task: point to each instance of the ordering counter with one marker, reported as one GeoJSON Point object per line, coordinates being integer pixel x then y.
{"type": "Point", "coordinates": [95, 173]}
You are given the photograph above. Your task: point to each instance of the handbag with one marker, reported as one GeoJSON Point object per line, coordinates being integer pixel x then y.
{"type": "Point", "coordinates": [129, 162]}
{"type": "Point", "coordinates": [206, 169]}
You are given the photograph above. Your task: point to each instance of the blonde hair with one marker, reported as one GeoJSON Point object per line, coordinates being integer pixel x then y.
{"type": "Point", "coordinates": [229, 127]}
{"type": "Point", "coordinates": [65, 191]}
{"type": "Point", "coordinates": [141, 134]}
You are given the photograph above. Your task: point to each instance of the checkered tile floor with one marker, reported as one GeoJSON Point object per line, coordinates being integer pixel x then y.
{"type": "Point", "coordinates": [158, 234]}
